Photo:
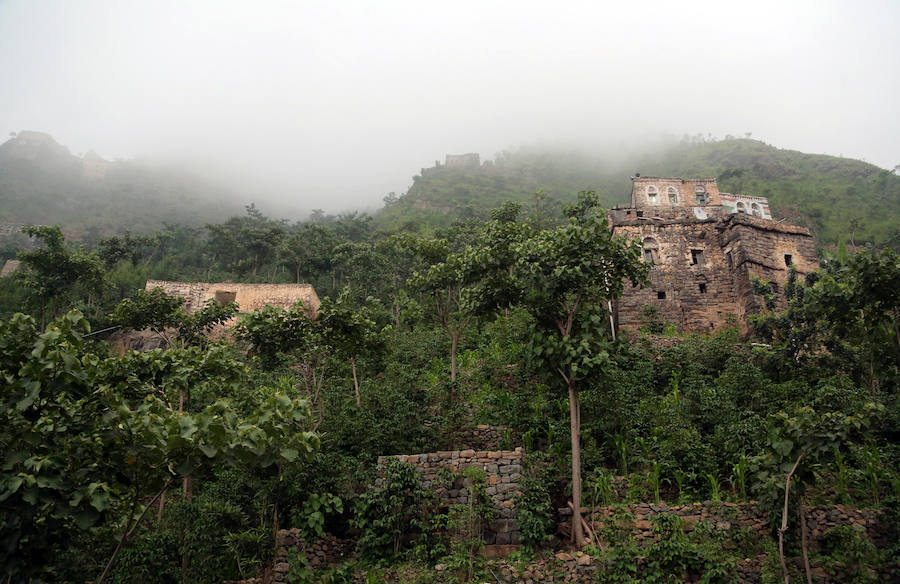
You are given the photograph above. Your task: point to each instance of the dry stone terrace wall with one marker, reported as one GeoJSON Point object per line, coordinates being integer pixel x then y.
{"type": "Point", "coordinates": [503, 469]}
{"type": "Point", "coordinates": [725, 516]}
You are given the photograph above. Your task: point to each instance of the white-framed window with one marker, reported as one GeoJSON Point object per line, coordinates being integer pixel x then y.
{"type": "Point", "coordinates": [652, 195]}
{"type": "Point", "coordinates": [756, 210]}
{"type": "Point", "coordinates": [701, 195]}
{"type": "Point", "coordinates": [673, 195]}
{"type": "Point", "coordinates": [741, 207]}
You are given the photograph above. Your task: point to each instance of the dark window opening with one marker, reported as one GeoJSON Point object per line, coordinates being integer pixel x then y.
{"type": "Point", "coordinates": [661, 295]}
{"type": "Point", "coordinates": [702, 288]}
{"type": "Point", "coordinates": [729, 259]}
{"type": "Point", "coordinates": [651, 251]}
{"type": "Point", "coordinates": [640, 213]}
{"type": "Point", "coordinates": [224, 297]}
{"type": "Point", "coordinates": [700, 195]}
{"type": "Point", "coordinates": [697, 257]}
{"type": "Point", "coordinates": [788, 259]}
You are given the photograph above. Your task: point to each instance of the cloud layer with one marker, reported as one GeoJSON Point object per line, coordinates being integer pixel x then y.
{"type": "Point", "coordinates": [333, 104]}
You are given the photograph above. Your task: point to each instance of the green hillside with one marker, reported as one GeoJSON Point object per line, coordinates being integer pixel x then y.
{"type": "Point", "coordinates": [42, 183]}
{"type": "Point", "coordinates": [837, 198]}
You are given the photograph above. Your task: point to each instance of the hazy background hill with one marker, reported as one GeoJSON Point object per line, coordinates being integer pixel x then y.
{"type": "Point", "coordinates": [836, 197]}
{"type": "Point", "coordinates": [41, 182]}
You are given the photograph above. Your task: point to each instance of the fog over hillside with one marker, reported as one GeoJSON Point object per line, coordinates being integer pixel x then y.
{"type": "Point", "coordinates": [334, 104]}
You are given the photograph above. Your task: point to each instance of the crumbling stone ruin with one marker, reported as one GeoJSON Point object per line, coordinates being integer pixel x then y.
{"type": "Point", "coordinates": [706, 249]}
{"type": "Point", "coordinates": [249, 297]}
{"type": "Point", "coordinates": [471, 160]}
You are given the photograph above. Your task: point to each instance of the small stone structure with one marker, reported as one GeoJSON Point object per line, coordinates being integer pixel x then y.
{"type": "Point", "coordinates": [249, 297]}
{"type": "Point", "coordinates": [503, 469]}
{"type": "Point", "coordinates": [93, 167]}
{"type": "Point", "coordinates": [706, 249]}
{"type": "Point", "coordinates": [470, 160]}
{"type": "Point", "coordinates": [9, 268]}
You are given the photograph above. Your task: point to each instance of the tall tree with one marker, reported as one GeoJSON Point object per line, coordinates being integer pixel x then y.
{"type": "Point", "coordinates": [351, 330]}
{"type": "Point", "coordinates": [444, 284]}
{"type": "Point", "coordinates": [55, 271]}
{"type": "Point", "coordinates": [567, 275]}
{"type": "Point", "coordinates": [245, 244]}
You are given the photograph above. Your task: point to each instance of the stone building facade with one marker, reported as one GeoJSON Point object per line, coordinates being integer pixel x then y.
{"type": "Point", "coordinates": [470, 160]}
{"type": "Point", "coordinates": [249, 297]}
{"type": "Point", "coordinates": [706, 248]}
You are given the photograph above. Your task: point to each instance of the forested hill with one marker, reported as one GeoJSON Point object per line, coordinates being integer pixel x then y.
{"type": "Point", "coordinates": [838, 198]}
{"type": "Point", "coordinates": [42, 182]}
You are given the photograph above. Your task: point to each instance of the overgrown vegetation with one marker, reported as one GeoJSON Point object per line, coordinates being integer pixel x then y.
{"type": "Point", "coordinates": [180, 464]}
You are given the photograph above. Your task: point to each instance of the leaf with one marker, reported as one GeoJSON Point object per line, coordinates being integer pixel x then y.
{"type": "Point", "coordinates": [86, 518]}
{"type": "Point", "coordinates": [209, 451]}
{"type": "Point", "coordinates": [289, 454]}
{"type": "Point", "coordinates": [11, 486]}
{"type": "Point", "coordinates": [783, 447]}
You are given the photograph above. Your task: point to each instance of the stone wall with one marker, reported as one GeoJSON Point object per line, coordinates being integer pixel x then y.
{"type": "Point", "coordinates": [503, 469]}
{"type": "Point", "coordinates": [686, 191]}
{"type": "Point", "coordinates": [472, 160]}
{"type": "Point", "coordinates": [761, 249]}
{"type": "Point", "coordinates": [705, 261]}
{"type": "Point", "coordinates": [724, 516]}
{"type": "Point", "coordinates": [482, 437]}
{"type": "Point", "coordinates": [694, 296]}
{"type": "Point", "coordinates": [249, 297]}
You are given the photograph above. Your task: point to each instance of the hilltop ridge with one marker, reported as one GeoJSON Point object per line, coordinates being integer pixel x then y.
{"type": "Point", "coordinates": [837, 198]}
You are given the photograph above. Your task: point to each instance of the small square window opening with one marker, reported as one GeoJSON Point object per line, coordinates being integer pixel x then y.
{"type": "Point", "coordinates": [702, 288]}
{"type": "Point", "coordinates": [661, 295]}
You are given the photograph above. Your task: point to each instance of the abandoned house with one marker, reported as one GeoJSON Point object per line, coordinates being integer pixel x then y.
{"type": "Point", "coordinates": [706, 248]}
{"type": "Point", "coordinates": [249, 297]}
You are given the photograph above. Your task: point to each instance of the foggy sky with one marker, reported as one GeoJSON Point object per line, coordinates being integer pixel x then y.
{"type": "Point", "coordinates": [336, 103]}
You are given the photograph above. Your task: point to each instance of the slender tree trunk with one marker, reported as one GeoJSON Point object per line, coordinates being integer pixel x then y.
{"type": "Point", "coordinates": [784, 520]}
{"type": "Point", "coordinates": [803, 544]}
{"type": "Point", "coordinates": [162, 507]}
{"type": "Point", "coordinates": [612, 320]}
{"type": "Point", "coordinates": [129, 530]}
{"type": "Point", "coordinates": [187, 490]}
{"type": "Point", "coordinates": [454, 344]}
{"type": "Point", "coordinates": [355, 381]}
{"type": "Point", "coordinates": [396, 313]}
{"type": "Point", "coordinates": [575, 428]}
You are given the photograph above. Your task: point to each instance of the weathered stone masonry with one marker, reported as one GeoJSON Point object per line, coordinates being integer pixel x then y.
{"type": "Point", "coordinates": [705, 255]}
{"type": "Point", "coordinates": [503, 469]}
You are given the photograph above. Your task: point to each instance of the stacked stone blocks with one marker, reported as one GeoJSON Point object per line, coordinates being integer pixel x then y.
{"type": "Point", "coordinates": [503, 469]}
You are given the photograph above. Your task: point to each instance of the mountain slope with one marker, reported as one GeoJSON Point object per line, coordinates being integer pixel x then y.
{"type": "Point", "coordinates": [837, 198]}
{"type": "Point", "coordinates": [41, 182]}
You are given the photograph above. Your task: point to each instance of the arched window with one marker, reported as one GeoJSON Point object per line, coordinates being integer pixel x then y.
{"type": "Point", "coordinates": [652, 195]}
{"type": "Point", "coordinates": [741, 207]}
{"type": "Point", "coordinates": [673, 196]}
{"type": "Point", "coordinates": [754, 208]}
{"type": "Point", "coordinates": [701, 195]}
{"type": "Point", "coordinates": [651, 251]}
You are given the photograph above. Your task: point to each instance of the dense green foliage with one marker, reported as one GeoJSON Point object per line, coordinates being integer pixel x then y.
{"type": "Point", "coordinates": [282, 425]}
